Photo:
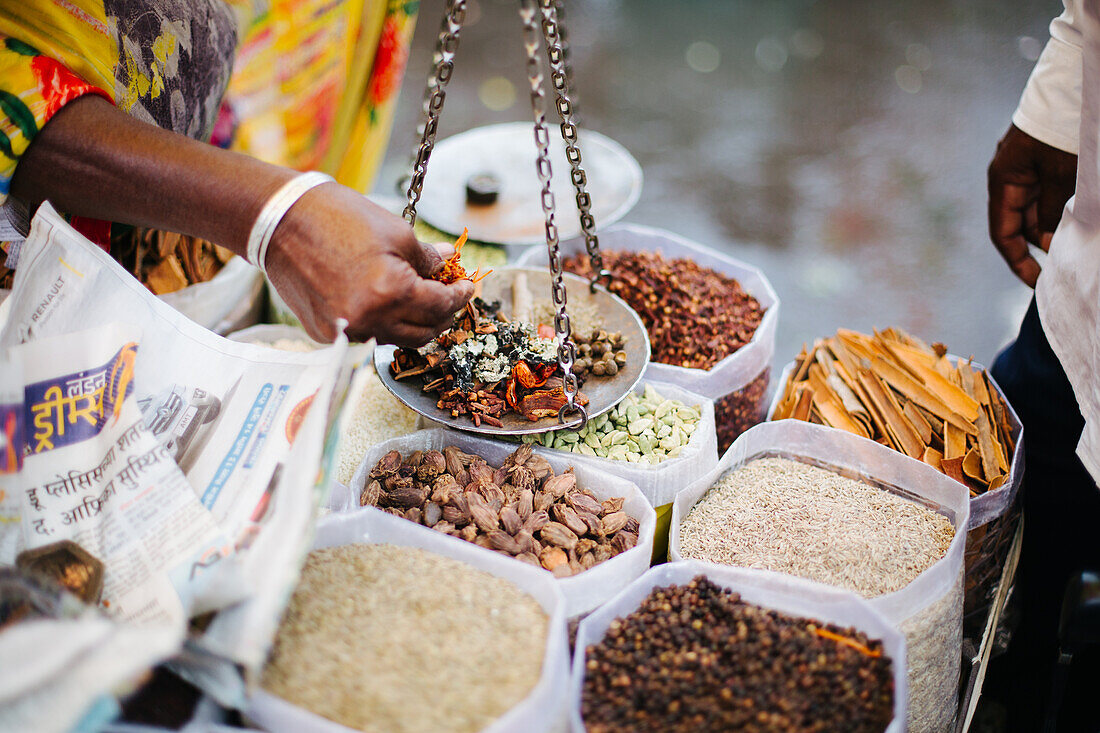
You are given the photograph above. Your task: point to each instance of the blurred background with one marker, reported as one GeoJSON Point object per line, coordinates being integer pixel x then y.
{"type": "Point", "coordinates": [839, 145]}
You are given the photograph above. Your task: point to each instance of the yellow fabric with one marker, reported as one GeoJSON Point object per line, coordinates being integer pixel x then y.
{"type": "Point", "coordinates": [78, 38]}
{"type": "Point", "coordinates": [75, 32]}
{"type": "Point", "coordinates": [308, 87]}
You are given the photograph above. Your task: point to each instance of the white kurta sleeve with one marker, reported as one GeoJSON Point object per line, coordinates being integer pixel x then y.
{"type": "Point", "coordinates": [1050, 108]}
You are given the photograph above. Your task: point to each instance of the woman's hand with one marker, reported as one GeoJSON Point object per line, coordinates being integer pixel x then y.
{"type": "Point", "coordinates": [1029, 184]}
{"type": "Point", "coordinates": [334, 254]}
{"type": "Point", "coordinates": [337, 255]}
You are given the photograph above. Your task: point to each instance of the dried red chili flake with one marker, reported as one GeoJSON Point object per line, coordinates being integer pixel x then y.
{"type": "Point", "coordinates": [695, 316]}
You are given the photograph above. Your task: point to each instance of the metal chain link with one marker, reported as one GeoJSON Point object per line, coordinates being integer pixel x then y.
{"type": "Point", "coordinates": [434, 96]}
{"type": "Point", "coordinates": [567, 350]}
{"type": "Point", "coordinates": [559, 77]}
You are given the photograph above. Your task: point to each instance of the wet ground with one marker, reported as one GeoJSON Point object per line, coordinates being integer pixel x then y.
{"type": "Point", "coordinates": [839, 145]}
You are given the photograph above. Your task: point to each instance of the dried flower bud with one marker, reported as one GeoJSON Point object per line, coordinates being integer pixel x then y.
{"type": "Point", "coordinates": [539, 467]}
{"type": "Point", "coordinates": [432, 513]}
{"type": "Point", "coordinates": [612, 523]}
{"type": "Point", "coordinates": [371, 495]}
{"type": "Point", "coordinates": [584, 503]}
{"type": "Point", "coordinates": [558, 535]}
{"type": "Point", "coordinates": [510, 520]}
{"type": "Point", "coordinates": [564, 515]}
{"type": "Point", "coordinates": [552, 557]}
{"type": "Point", "coordinates": [536, 521]}
{"type": "Point", "coordinates": [501, 540]}
{"type": "Point", "coordinates": [525, 504]}
{"type": "Point", "coordinates": [387, 466]}
{"type": "Point", "coordinates": [431, 465]}
{"type": "Point", "coordinates": [559, 486]}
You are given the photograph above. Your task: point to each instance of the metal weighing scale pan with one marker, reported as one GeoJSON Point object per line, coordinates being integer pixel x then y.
{"type": "Point", "coordinates": [603, 392]}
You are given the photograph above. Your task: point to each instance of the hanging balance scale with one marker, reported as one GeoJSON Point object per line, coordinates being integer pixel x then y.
{"type": "Point", "coordinates": [600, 394]}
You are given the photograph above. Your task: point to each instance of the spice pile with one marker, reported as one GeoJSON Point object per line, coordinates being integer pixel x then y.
{"type": "Point", "coordinates": [646, 429]}
{"type": "Point", "coordinates": [790, 517]}
{"type": "Point", "coordinates": [520, 509]}
{"type": "Point", "coordinates": [782, 515]}
{"type": "Point", "coordinates": [894, 389]}
{"type": "Point", "coordinates": [385, 638]}
{"type": "Point", "coordinates": [486, 366]}
{"type": "Point", "coordinates": [695, 317]}
{"type": "Point", "coordinates": [695, 657]}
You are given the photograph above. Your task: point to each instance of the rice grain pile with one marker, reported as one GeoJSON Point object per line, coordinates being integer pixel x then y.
{"type": "Point", "coordinates": [386, 638]}
{"type": "Point", "coordinates": [376, 416]}
{"type": "Point", "coordinates": [782, 515]}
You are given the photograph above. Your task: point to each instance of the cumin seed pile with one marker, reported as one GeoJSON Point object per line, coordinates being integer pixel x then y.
{"type": "Point", "coordinates": [388, 638]}
{"type": "Point", "coordinates": [782, 515]}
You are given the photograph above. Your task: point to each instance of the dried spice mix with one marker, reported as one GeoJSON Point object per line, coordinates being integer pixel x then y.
{"type": "Point", "coordinates": [695, 657]}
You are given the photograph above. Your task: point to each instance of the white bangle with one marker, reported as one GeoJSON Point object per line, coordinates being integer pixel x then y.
{"type": "Point", "coordinates": [273, 212]}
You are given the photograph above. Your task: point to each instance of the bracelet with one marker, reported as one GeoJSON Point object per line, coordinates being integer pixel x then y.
{"type": "Point", "coordinates": [273, 212]}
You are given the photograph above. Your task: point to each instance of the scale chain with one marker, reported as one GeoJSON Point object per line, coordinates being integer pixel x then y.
{"type": "Point", "coordinates": [559, 77]}
{"type": "Point", "coordinates": [434, 96]}
{"type": "Point", "coordinates": [567, 350]}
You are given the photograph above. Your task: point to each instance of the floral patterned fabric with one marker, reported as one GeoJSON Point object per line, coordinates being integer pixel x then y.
{"type": "Point", "coordinates": [166, 62]}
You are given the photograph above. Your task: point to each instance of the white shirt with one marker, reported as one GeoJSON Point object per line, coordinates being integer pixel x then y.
{"type": "Point", "coordinates": [1061, 107]}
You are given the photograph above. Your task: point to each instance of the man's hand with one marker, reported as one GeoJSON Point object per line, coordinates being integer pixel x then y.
{"type": "Point", "coordinates": [1029, 184]}
{"type": "Point", "coordinates": [337, 255]}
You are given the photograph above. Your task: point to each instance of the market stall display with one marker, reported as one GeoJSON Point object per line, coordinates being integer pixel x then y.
{"type": "Point", "coordinates": [692, 644]}
{"type": "Point", "coordinates": [575, 508]}
{"type": "Point", "coordinates": [494, 628]}
{"type": "Point", "coordinates": [862, 518]}
{"type": "Point", "coordinates": [931, 406]}
{"type": "Point", "coordinates": [711, 319]}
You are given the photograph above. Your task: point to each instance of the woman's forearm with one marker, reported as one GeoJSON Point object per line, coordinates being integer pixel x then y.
{"type": "Point", "coordinates": [91, 159]}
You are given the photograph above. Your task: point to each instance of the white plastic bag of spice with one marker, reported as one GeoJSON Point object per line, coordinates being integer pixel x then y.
{"type": "Point", "coordinates": [992, 525]}
{"type": "Point", "coordinates": [739, 383]}
{"type": "Point", "coordinates": [783, 593]}
{"type": "Point", "coordinates": [986, 507]}
{"type": "Point", "coordinates": [660, 482]}
{"type": "Point", "coordinates": [929, 609]}
{"type": "Point", "coordinates": [583, 591]}
{"type": "Point", "coordinates": [544, 707]}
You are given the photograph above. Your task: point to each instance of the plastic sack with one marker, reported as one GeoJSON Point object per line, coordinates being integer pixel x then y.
{"type": "Point", "coordinates": [739, 383]}
{"type": "Point", "coordinates": [233, 299]}
{"type": "Point", "coordinates": [929, 609]}
{"type": "Point", "coordinates": [783, 593]}
{"type": "Point", "coordinates": [542, 707]}
{"type": "Point", "coordinates": [993, 519]}
{"type": "Point", "coordinates": [583, 591]}
{"type": "Point", "coordinates": [659, 483]}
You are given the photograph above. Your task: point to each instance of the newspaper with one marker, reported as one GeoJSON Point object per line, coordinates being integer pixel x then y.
{"type": "Point", "coordinates": [187, 463]}
{"type": "Point", "coordinates": [11, 455]}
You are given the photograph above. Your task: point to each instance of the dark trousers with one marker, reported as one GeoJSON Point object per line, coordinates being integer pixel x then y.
{"type": "Point", "coordinates": [1061, 537]}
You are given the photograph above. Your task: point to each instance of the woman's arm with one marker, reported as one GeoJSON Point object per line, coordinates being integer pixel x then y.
{"type": "Point", "coordinates": [334, 255]}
